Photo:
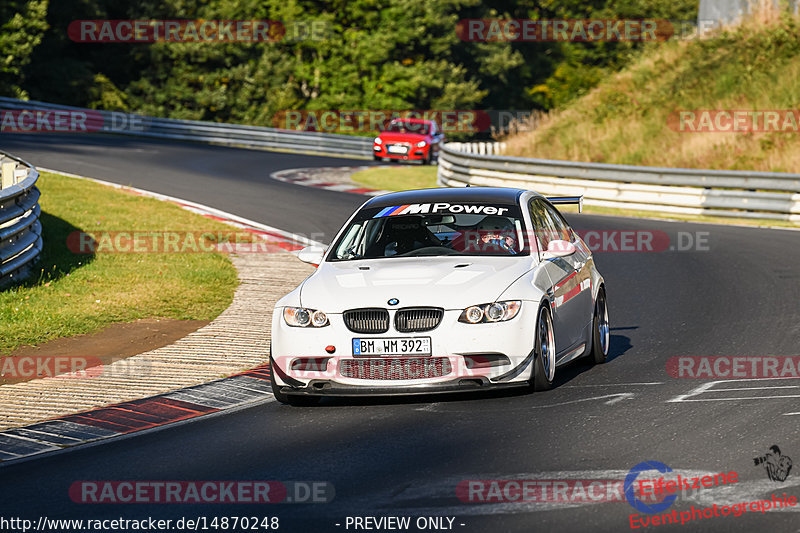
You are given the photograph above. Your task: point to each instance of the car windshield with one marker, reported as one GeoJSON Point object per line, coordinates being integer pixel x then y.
{"type": "Point", "coordinates": [432, 230]}
{"type": "Point", "coordinates": [401, 126]}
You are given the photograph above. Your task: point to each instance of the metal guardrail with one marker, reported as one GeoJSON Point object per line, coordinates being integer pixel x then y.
{"type": "Point", "coordinates": [769, 195]}
{"type": "Point", "coordinates": [20, 229]}
{"type": "Point", "coordinates": [210, 132]}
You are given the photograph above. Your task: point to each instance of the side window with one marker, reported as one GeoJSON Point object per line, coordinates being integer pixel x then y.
{"type": "Point", "coordinates": [543, 229]}
{"type": "Point", "coordinates": [562, 228]}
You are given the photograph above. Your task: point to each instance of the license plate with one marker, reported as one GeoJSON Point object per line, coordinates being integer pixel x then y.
{"type": "Point", "coordinates": [394, 149]}
{"type": "Point", "coordinates": [392, 346]}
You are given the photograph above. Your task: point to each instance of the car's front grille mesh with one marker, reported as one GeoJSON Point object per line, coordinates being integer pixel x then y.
{"type": "Point", "coordinates": [415, 319]}
{"type": "Point", "coordinates": [395, 368]}
{"type": "Point", "coordinates": [370, 320]}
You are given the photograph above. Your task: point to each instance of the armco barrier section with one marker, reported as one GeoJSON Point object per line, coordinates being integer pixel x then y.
{"type": "Point", "coordinates": [742, 194]}
{"type": "Point", "coordinates": [202, 131]}
{"type": "Point", "coordinates": [20, 229]}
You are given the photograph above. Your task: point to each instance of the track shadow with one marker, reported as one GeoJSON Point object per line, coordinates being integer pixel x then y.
{"type": "Point", "coordinates": [56, 260]}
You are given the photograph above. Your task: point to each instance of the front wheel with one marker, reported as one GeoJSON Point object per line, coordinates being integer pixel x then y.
{"type": "Point", "coordinates": [544, 364]}
{"type": "Point", "coordinates": [601, 332]}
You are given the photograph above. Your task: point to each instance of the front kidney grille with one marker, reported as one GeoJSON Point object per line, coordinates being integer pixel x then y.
{"type": "Point", "coordinates": [369, 320]}
{"type": "Point", "coordinates": [416, 319]}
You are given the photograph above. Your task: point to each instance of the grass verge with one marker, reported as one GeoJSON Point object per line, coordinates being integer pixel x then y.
{"type": "Point", "coordinates": [81, 293]}
{"type": "Point", "coordinates": [397, 178]}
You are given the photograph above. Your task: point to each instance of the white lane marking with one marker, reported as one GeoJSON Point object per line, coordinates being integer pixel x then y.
{"type": "Point", "coordinates": [622, 396]}
{"type": "Point", "coordinates": [611, 385]}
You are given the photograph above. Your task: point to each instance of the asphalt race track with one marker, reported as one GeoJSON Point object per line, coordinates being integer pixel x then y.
{"type": "Point", "coordinates": [738, 295]}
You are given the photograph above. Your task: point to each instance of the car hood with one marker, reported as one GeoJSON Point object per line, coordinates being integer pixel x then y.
{"type": "Point", "coordinates": [448, 282]}
{"type": "Point", "coordinates": [402, 137]}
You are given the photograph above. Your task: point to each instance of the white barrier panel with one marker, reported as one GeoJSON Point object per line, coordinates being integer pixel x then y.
{"type": "Point", "coordinates": [769, 195]}
{"type": "Point", "coordinates": [20, 229]}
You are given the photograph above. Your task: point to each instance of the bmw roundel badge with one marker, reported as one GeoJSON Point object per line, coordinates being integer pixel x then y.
{"type": "Point", "coordinates": [393, 301]}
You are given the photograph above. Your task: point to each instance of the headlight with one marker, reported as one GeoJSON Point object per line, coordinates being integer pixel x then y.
{"type": "Point", "coordinates": [378, 140]}
{"type": "Point", "coordinates": [300, 317]}
{"type": "Point", "coordinates": [493, 312]}
{"type": "Point", "coordinates": [421, 144]}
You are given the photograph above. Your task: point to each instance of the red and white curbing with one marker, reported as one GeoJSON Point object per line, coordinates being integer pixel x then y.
{"type": "Point", "coordinates": [238, 391]}
{"type": "Point", "coordinates": [235, 392]}
{"type": "Point", "coordinates": [319, 177]}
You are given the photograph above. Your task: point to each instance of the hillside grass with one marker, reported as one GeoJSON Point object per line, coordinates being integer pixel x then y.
{"type": "Point", "coordinates": [624, 120]}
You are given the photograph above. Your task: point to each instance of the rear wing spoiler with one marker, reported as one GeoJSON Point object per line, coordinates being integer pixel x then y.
{"type": "Point", "coordinates": [556, 200]}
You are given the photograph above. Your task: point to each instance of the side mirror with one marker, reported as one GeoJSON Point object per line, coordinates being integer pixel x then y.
{"type": "Point", "coordinates": [560, 249]}
{"type": "Point", "coordinates": [312, 254]}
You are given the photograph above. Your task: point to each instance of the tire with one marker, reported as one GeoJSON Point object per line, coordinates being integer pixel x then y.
{"type": "Point", "coordinates": [291, 399]}
{"type": "Point", "coordinates": [544, 363]}
{"type": "Point", "coordinates": [601, 335]}
{"type": "Point", "coordinates": [427, 160]}
{"type": "Point", "coordinates": [377, 157]}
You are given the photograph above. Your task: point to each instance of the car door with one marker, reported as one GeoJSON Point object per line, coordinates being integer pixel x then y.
{"type": "Point", "coordinates": [566, 310]}
{"type": "Point", "coordinates": [581, 293]}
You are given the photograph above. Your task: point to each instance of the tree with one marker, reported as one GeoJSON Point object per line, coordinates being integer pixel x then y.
{"type": "Point", "coordinates": [22, 25]}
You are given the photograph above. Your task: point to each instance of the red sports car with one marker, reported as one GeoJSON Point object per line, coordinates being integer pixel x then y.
{"type": "Point", "coordinates": [409, 138]}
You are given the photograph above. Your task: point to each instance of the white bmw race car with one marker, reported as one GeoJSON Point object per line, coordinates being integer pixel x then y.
{"type": "Point", "coordinates": [441, 290]}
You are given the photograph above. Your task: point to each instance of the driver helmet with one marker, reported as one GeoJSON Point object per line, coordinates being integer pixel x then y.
{"type": "Point", "coordinates": [498, 232]}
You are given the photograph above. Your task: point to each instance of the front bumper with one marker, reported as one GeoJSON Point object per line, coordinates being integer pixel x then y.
{"type": "Point", "coordinates": [479, 356]}
{"type": "Point", "coordinates": [413, 153]}
{"type": "Point", "coordinates": [327, 388]}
